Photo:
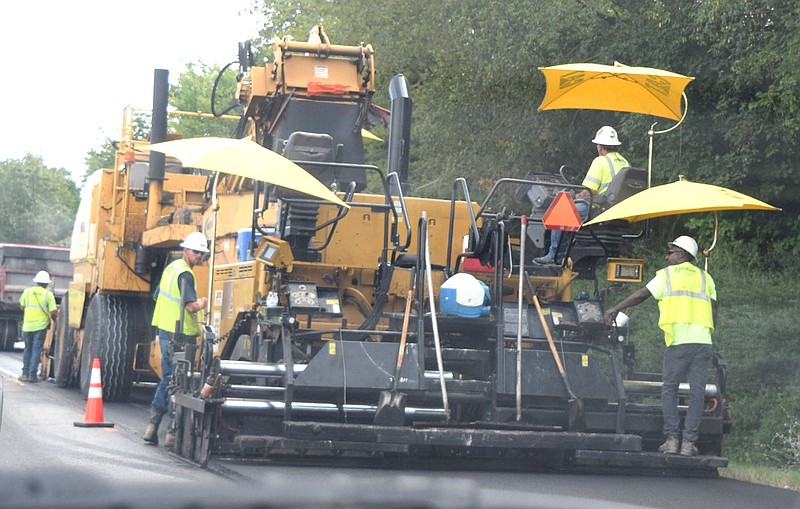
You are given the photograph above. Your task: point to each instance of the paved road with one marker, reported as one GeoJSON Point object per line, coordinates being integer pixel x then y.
{"type": "Point", "coordinates": [42, 454]}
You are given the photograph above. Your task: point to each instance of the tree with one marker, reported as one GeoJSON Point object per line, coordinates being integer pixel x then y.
{"type": "Point", "coordinates": [102, 157]}
{"type": "Point", "coordinates": [193, 93]}
{"type": "Point", "coordinates": [38, 203]}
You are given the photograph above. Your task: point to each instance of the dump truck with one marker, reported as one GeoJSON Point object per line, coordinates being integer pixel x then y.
{"type": "Point", "coordinates": [407, 327]}
{"type": "Point", "coordinates": [19, 263]}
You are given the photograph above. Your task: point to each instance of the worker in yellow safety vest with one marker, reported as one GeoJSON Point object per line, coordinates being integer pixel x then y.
{"type": "Point", "coordinates": [687, 301]}
{"type": "Point", "coordinates": [171, 303]}
{"type": "Point", "coordinates": [601, 174]}
{"type": "Point", "coordinates": [39, 311]}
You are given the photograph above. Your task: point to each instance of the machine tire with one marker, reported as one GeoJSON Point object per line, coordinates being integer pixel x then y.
{"type": "Point", "coordinates": [64, 355]}
{"type": "Point", "coordinates": [8, 334]}
{"type": "Point", "coordinates": [113, 324]}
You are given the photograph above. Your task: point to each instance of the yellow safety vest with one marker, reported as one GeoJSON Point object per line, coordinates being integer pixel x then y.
{"type": "Point", "coordinates": [603, 171]}
{"type": "Point", "coordinates": [168, 302]}
{"type": "Point", "coordinates": [37, 303]}
{"type": "Point", "coordinates": [687, 297]}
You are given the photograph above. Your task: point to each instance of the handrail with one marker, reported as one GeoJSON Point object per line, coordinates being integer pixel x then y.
{"type": "Point", "coordinates": [473, 222]}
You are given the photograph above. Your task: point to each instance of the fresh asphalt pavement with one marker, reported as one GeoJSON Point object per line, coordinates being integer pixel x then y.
{"type": "Point", "coordinates": [38, 440]}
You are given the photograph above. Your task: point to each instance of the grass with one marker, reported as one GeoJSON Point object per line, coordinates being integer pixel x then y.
{"type": "Point", "coordinates": [771, 476]}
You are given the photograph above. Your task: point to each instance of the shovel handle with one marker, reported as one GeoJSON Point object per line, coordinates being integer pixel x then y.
{"type": "Point", "coordinates": [548, 335]}
{"type": "Point", "coordinates": [401, 352]}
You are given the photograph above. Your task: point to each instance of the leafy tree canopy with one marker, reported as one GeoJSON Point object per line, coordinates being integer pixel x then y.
{"type": "Point", "coordinates": [473, 66]}
{"type": "Point", "coordinates": [38, 203]}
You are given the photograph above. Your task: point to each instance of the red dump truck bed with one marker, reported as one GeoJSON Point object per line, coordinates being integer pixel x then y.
{"type": "Point", "coordinates": [19, 263]}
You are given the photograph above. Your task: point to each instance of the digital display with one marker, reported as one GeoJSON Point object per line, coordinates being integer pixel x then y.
{"type": "Point", "coordinates": [268, 253]}
{"type": "Point", "coordinates": [628, 271]}
{"type": "Point", "coordinates": [625, 270]}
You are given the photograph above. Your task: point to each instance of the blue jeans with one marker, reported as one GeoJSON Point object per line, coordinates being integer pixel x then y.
{"type": "Point", "coordinates": [161, 399]}
{"type": "Point", "coordinates": [555, 235]}
{"type": "Point", "coordinates": [690, 362]}
{"type": "Point", "coordinates": [33, 350]}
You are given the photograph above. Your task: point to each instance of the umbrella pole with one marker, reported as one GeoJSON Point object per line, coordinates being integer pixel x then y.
{"type": "Point", "coordinates": [215, 210]}
{"type": "Point", "coordinates": [714, 242]}
{"type": "Point", "coordinates": [652, 132]}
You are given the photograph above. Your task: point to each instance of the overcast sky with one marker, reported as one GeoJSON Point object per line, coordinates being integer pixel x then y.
{"type": "Point", "coordinates": [69, 68]}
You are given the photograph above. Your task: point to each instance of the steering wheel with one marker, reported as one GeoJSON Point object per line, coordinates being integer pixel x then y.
{"type": "Point", "coordinates": [570, 175]}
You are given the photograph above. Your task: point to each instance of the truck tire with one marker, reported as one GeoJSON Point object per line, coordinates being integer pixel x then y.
{"type": "Point", "coordinates": [64, 365]}
{"type": "Point", "coordinates": [113, 324]}
{"type": "Point", "coordinates": [8, 334]}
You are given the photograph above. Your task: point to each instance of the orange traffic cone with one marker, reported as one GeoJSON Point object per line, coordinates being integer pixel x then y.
{"type": "Point", "coordinates": [93, 417]}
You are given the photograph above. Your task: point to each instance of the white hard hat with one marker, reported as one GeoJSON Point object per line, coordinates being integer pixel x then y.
{"type": "Point", "coordinates": [42, 277]}
{"type": "Point", "coordinates": [686, 243]}
{"type": "Point", "coordinates": [196, 241]}
{"type": "Point", "coordinates": [606, 135]}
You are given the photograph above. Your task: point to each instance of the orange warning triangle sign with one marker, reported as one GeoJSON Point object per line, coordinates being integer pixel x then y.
{"type": "Point", "coordinates": [562, 214]}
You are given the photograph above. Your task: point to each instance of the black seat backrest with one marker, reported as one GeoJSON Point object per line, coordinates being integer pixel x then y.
{"type": "Point", "coordinates": [626, 183]}
{"type": "Point", "coordinates": [316, 147]}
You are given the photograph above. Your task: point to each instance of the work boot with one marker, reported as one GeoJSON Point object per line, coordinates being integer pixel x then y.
{"type": "Point", "coordinates": [544, 260]}
{"type": "Point", "coordinates": [23, 377]}
{"type": "Point", "coordinates": [151, 433]}
{"type": "Point", "coordinates": [169, 442]}
{"type": "Point", "coordinates": [671, 445]}
{"type": "Point", "coordinates": [688, 448]}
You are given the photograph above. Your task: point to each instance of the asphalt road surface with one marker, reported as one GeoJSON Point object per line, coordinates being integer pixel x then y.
{"type": "Point", "coordinates": [46, 461]}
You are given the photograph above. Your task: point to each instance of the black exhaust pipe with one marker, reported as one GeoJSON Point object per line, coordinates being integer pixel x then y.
{"type": "Point", "coordinates": [399, 129]}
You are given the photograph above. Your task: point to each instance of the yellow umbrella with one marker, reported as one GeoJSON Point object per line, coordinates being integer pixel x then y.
{"type": "Point", "coordinates": [246, 158]}
{"type": "Point", "coordinates": [681, 197]}
{"type": "Point", "coordinates": [615, 88]}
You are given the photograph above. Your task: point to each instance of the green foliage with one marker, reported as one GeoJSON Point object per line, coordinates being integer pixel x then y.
{"type": "Point", "coordinates": [193, 94]}
{"type": "Point", "coordinates": [475, 85]}
{"type": "Point", "coordinates": [38, 203]}
{"type": "Point", "coordinates": [102, 157]}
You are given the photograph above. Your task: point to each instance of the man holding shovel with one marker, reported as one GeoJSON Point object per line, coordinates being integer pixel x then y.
{"type": "Point", "coordinates": [687, 301]}
{"type": "Point", "coordinates": [173, 307]}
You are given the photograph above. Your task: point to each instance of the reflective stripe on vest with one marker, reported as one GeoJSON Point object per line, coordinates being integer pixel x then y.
{"type": "Point", "coordinates": [686, 298]}
{"type": "Point", "coordinates": [36, 315]}
{"type": "Point", "coordinates": [602, 186]}
{"type": "Point", "coordinates": [168, 303]}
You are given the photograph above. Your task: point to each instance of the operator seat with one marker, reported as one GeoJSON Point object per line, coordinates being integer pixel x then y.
{"type": "Point", "coordinates": [296, 220]}
{"type": "Point", "coordinates": [607, 239]}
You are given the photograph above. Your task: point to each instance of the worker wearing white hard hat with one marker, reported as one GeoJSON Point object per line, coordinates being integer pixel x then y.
{"type": "Point", "coordinates": [687, 301]}
{"type": "Point", "coordinates": [602, 171]}
{"type": "Point", "coordinates": [175, 317]}
{"type": "Point", "coordinates": [39, 311]}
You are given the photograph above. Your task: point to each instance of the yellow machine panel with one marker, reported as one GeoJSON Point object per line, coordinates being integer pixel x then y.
{"type": "Point", "coordinates": [625, 270]}
{"type": "Point", "coordinates": [359, 236]}
{"type": "Point", "coordinates": [233, 292]}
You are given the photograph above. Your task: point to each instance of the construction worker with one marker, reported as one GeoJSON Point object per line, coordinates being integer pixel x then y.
{"type": "Point", "coordinates": [687, 301]}
{"type": "Point", "coordinates": [39, 311]}
{"type": "Point", "coordinates": [170, 304]}
{"type": "Point", "coordinates": [601, 173]}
